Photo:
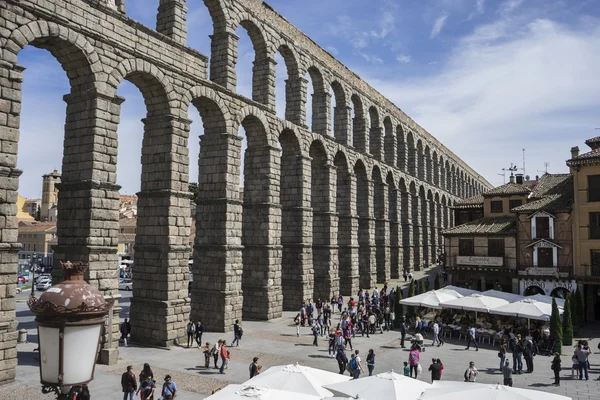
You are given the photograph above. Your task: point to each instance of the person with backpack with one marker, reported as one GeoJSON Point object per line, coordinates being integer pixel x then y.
{"type": "Point", "coordinates": [371, 361]}
{"type": "Point", "coordinates": [191, 331]}
{"type": "Point", "coordinates": [356, 366]}
{"type": "Point", "coordinates": [169, 389]}
{"type": "Point", "coordinates": [413, 359]}
{"type": "Point", "coordinates": [341, 359]}
{"type": "Point", "coordinates": [237, 333]}
{"type": "Point", "coordinates": [125, 330]}
{"type": "Point", "coordinates": [471, 373]}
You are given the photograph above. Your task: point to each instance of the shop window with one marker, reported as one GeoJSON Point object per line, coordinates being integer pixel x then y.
{"type": "Point", "coordinates": [496, 206]}
{"type": "Point", "coordinates": [542, 227]}
{"type": "Point", "coordinates": [466, 247]}
{"type": "Point", "coordinates": [496, 247]}
{"type": "Point", "coordinates": [593, 188]}
{"type": "Point", "coordinates": [595, 225]}
{"type": "Point", "coordinates": [514, 203]}
{"type": "Point", "coordinates": [545, 258]}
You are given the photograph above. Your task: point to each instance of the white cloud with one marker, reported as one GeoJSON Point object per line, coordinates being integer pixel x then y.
{"type": "Point", "coordinates": [479, 9]}
{"type": "Point", "coordinates": [509, 6]}
{"type": "Point", "coordinates": [535, 89]}
{"type": "Point", "coordinates": [386, 25]}
{"type": "Point", "coordinates": [404, 58]}
{"type": "Point", "coordinates": [371, 59]}
{"type": "Point", "coordinates": [438, 25]}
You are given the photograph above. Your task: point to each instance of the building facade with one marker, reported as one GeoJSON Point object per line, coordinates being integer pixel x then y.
{"type": "Point", "coordinates": [585, 168]}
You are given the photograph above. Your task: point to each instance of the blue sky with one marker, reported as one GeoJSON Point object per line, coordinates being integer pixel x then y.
{"type": "Point", "coordinates": [487, 78]}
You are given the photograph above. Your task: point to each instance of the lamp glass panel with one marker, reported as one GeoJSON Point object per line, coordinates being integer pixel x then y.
{"type": "Point", "coordinates": [80, 348]}
{"type": "Point", "coordinates": [49, 353]}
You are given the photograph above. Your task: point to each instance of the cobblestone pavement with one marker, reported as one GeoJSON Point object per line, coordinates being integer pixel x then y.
{"type": "Point", "coordinates": [276, 343]}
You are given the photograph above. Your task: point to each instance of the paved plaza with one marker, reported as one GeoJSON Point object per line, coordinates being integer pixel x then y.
{"type": "Point", "coordinates": [276, 343]}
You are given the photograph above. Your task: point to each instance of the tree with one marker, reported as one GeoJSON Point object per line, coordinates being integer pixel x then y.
{"type": "Point", "coordinates": [422, 286]}
{"type": "Point", "coordinates": [579, 309]}
{"type": "Point", "coordinates": [193, 188]}
{"type": "Point", "coordinates": [398, 308]}
{"type": "Point", "coordinates": [567, 324]}
{"type": "Point", "coordinates": [436, 282]}
{"type": "Point", "coordinates": [410, 311]}
{"type": "Point", "coordinates": [573, 310]}
{"type": "Point", "coordinates": [556, 327]}
{"type": "Point", "coordinates": [38, 214]}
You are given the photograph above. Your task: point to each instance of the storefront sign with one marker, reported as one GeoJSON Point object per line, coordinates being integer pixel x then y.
{"type": "Point", "coordinates": [480, 260]}
{"type": "Point", "coordinates": [541, 271]}
{"type": "Point", "coordinates": [547, 286]}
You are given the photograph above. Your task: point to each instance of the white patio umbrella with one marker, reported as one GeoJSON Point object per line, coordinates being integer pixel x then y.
{"type": "Point", "coordinates": [246, 392]}
{"type": "Point", "coordinates": [431, 299]}
{"type": "Point", "coordinates": [510, 297]}
{"type": "Point", "coordinates": [387, 385]}
{"type": "Point", "coordinates": [448, 390]}
{"type": "Point", "coordinates": [476, 302]}
{"type": "Point", "coordinates": [299, 379]}
{"type": "Point", "coordinates": [526, 308]}
{"type": "Point", "coordinates": [458, 290]}
{"type": "Point", "coordinates": [548, 299]}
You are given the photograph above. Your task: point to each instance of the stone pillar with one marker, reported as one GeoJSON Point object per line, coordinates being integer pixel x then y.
{"type": "Point", "coordinates": [425, 231]}
{"type": "Point", "coordinates": [224, 46]}
{"type": "Point", "coordinates": [382, 240]}
{"type": "Point", "coordinates": [263, 81]}
{"type": "Point", "coordinates": [348, 241]}
{"type": "Point", "coordinates": [417, 238]}
{"type": "Point", "coordinates": [359, 131]}
{"type": "Point", "coordinates": [261, 234]}
{"type": "Point", "coordinates": [217, 268]}
{"type": "Point", "coordinates": [407, 231]}
{"type": "Point", "coordinates": [395, 235]}
{"type": "Point", "coordinates": [366, 242]}
{"type": "Point", "coordinates": [390, 149]}
{"type": "Point", "coordinates": [297, 279]}
{"type": "Point", "coordinates": [321, 109]}
{"type": "Point", "coordinates": [434, 232]}
{"type": "Point", "coordinates": [160, 305]}
{"type": "Point", "coordinates": [171, 20]}
{"type": "Point", "coordinates": [376, 143]}
{"type": "Point", "coordinates": [342, 115]}
{"type": "Point", "coordinates": [325, 250]}
{"type": "Point", "coordinates": [295, 100]}
{"type": "Point", "coordinates": [88, 206]}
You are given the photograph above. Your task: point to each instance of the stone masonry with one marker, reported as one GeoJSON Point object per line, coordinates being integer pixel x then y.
{"type": "Point", "coordinates": [349, 202]}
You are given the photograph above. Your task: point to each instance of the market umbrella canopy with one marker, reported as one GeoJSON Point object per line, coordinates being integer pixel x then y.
{"type": "Point", "coordinates": [548, 299]}
{"type": "Point", "coordinates": [387, 385]}
{"type": "Point", "coordinates": [526, 308]}
{"type": "Point", "coordinates": [458, 291]}
{"type": "Point", "coordinates": [510, 297]}
{"type": "Point", "coordinates": [476, 302]}
{"type": "Point", "coordinates": [248, 392]}
{"type": "Point", "coordinates": [299, 379]}
{"type": "Point", "coordinates": [431, 299]}
{"type": "Point", "coordinates": [447, 390]}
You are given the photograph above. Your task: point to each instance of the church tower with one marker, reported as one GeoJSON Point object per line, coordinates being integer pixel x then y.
{"type": "Point", "coordinates": [49, 194]}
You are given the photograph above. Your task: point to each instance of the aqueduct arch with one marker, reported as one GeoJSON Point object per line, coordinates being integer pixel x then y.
{"type": "Point", "coordinates": [368, 193]}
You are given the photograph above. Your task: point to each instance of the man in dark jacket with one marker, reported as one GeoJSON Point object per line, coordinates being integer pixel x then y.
{"type": "Point", "coordinates": [199, 332]}
{"type": "Point", "coordinates": [402, 332]}
{"type": "Point", "coordinates": [125, 330]}
{"type": "Point", "coordinates": [128, 383]}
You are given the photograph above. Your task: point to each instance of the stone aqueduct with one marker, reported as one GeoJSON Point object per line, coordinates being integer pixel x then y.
{"type": "Point", "coordinates": [360, 195]}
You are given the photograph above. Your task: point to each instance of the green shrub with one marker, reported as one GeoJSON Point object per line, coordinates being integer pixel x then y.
{"type": "Point", "coordinates": [398, 308]}
{"type": "Point", "coordinates": [556, 327]}
{"type": "Point", "coordinates": [567, 324]}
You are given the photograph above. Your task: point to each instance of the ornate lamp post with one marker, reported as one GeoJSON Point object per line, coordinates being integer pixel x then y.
{"type": "Point", "coordinates": [69, 316]}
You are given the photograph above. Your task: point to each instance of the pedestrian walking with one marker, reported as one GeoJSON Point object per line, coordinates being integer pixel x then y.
{"type": "Point", "coordinates": [471, 373]}
{"type": "Point", "coordinates": [297, 321]}
{"type": "Point", "coordinates": [125, 330]}
{"type": "Point", "coordinates": [348, 337]}
{"type": "Point", "coordinates": [402, 332]}
{"type": "Point", "coordinates": [517, 355]}
{"type": "Point", "coordinates": [237, 333]}
{"type": "Point", "coordinates": [207, 352]}
{"type": "Point", "coordinates": [341, 359]}
{"type": "Point", "coordinates": [413, 359]}
{"type": "Point", "coordinates": [215, 351]}
{"type": "Point", "coordinates": [405, 276]}
{"type": "Point", "coordinates": [436, 370]}
{"type": "Point", "coordinates": [128, 383]}
{"type": "Point", "coordinates": [507, 373]}
{"type": "Point", "coordinates": [254, 368]}
{"type": "Point", "coordinates": [224, 356]}
{"type": "Point", "coordinates": [169, 389]}
{"type": "Point", "coordinates": [371, 361]}
{"type": "Point", "coordinates": [146, 389]}
{"type": "Point", "coordinates": [471, 339]}
{"type": "Point", "coordinates": [357, 368]}
{"type": "Point", "coordinates": [441, 367]}
{"type": "Point", "coordinates": [436, 334]}
{"type": "Point", "coordinates": [582, 357]}
{"type": "Point", "coordinates": [316, 330]}
{"type": "Point", "coordinates": [555, 366]}
{"type": "Point", "coordinates": [528, 353]}
{"type": "Point", "coordinates": [574, 366]}
{"type": "Point", "coordinates": [502, 354]}
{"type": "Point", "coordinates": [191, 331]}
{"type": "Point", "coordinates": [199, 332]}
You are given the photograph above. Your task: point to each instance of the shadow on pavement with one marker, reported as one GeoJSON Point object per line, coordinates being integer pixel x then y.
{"type": "Point", "coordinates": [28, 358]}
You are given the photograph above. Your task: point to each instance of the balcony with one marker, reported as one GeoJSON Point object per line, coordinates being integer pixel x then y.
{"type": "Point", "coordinates": [591, 272]}
{"type": "Point", "coordinates": [557, 272]}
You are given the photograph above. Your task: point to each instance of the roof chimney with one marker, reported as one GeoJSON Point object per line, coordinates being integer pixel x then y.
{"type": "Point", "coordinates": [512, 178]}
{"type": "Point", "coordinates": [574, 151]}
{"type": "Point", "coordinates": [520, 179]}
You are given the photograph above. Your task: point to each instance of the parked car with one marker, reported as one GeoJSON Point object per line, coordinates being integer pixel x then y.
{"type": "Point", "coordinates": [40, 277]}
{"type": "Point", "coordinates": [125, 284]}
{"type": "Point", "coordinates": [43, 284]}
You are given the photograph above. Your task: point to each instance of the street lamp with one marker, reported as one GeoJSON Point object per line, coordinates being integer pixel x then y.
{"type": "Point", "coordinates": [69, 316]}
